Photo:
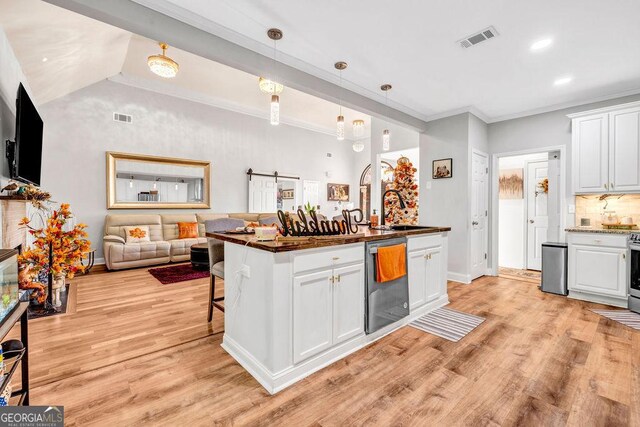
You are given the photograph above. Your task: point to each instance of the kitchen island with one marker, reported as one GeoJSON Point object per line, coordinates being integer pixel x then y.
{"type": "Point", "coordinates": [292, 308]}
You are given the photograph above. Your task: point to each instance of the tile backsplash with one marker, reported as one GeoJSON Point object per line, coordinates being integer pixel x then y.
{"type": "Point", "coordinates": [592, 207]}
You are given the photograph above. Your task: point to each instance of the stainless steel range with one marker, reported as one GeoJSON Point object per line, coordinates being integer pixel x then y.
{"type": "Point", "coordinates": [634, 279]}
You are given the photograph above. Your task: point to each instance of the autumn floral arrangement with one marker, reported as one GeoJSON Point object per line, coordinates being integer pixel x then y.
{"type": "Point", "coordinates": [57, 251]}
{"type": "Point", "coordinates": [544, 185]}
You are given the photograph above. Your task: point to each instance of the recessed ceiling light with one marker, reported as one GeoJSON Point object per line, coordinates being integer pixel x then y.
{"type": "Point", "coordinates": [45, 59]}
{"type": "Point", "coordinates": [541, 44]}
{"type": "Point", "coordinates": [563, 81]}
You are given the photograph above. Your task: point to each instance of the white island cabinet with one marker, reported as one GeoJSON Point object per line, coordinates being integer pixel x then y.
{"type": "Point", "coordinates": [598, 268]}
{"type": "Point", "coordinates": [290, 312]}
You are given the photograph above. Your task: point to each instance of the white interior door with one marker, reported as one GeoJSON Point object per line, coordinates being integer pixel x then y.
{"type": "Point", "coordinates": [479, 214]}
{"type": "Point", "coordinates": [263, 194]}
{"type": "Point", "coordinates": [537, 213]}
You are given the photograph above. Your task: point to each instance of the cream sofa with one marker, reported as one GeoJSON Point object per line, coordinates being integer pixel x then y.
{"type": "Point", "coordinates": [165, 246]}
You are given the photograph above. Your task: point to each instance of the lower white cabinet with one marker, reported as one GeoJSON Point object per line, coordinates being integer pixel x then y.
{"type": "Point", "coordinates": [328, 308]}
{"type": "Point", "coordinates": [427, 279]}
{"type": "Point", "coordinates": [598, 268]}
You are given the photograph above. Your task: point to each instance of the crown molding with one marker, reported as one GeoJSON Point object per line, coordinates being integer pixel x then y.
{"type": "Point", "coordinates": [468, 109]}
{"type": "Point", "coordinates": [216, 102]}
{"type": "Point", "coordinates": [563, 106]}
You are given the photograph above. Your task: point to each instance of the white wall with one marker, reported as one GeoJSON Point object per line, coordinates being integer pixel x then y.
{"type": "Point", "coordinates": [512, 217]}
{"type": "Point", "coordinates": [79, 129]}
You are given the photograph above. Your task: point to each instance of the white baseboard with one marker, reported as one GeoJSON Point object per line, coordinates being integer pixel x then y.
{"type": "Point", "coordinates": [600, 299]}
{"type": "Point", "coordinates": [458, 277]}
{"type": "Point", "coordinates": [99, 261]}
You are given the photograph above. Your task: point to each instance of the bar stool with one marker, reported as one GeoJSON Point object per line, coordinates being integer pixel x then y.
{"type": "Point", "coordinates": [216, 258]}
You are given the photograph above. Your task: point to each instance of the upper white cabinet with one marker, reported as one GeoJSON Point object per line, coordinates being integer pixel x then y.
{"type": "Point", "coordinates": [606, 150]}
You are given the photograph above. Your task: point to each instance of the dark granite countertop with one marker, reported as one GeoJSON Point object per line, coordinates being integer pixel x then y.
{"type": "Point", "coordinates": [599, 230]}
{"type": "Point", "coordinates": [365, 234]}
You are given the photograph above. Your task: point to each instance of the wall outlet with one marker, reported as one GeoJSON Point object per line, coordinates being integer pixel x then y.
{"type": "Point", "coordinates": [428, 185]}
{"type": "Point", "coordinates": [572, 209]}
{"type": "Point", "coordinates": [245, 271]}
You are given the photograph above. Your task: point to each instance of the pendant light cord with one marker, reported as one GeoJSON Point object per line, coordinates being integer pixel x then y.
{"type": "Point", "coordinates": [341, 89]}
{"type": "Point", "coordinates": [273, 80]}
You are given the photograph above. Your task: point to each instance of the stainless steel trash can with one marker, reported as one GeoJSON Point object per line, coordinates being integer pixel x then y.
{"type": "Point", "coordinates": [554, 268]}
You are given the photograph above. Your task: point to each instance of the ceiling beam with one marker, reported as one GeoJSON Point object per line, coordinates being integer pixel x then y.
{"type": "Point", "coordinates": [154, 25]}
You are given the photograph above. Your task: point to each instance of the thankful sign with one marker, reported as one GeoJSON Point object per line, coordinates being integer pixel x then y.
{"type": "Point", "coordinates": [301, 225]}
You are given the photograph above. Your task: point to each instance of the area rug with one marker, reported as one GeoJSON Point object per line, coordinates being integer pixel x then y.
{"type": "Point", "coordinates": [446, 323]}
{"type": "Point", "coordinates": [626, 317]}
{"type": "Point", "coordinates": [177, 273]}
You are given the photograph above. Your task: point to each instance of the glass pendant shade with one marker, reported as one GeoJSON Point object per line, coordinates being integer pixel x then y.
{"type": "Point", "coordinates": [358, 146]}
{"type": "Point", "coordinates": [386, 140]}
{"type": "Point", "coordinates": [162, 65]}
{"type": "Point", "coordinates": [275, 110]}
{"type": "Point", "coordinates": [358, 128]}
{"type": "Point", "coordinates": [340, 128]}
{"type": "Point", "coordinates": [269, 86]}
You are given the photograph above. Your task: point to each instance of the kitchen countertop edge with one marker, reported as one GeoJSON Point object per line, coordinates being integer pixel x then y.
{"type": "Point", "coordinates": [598, 230]}
{"type": "Point", "coordinates": [275, 247]}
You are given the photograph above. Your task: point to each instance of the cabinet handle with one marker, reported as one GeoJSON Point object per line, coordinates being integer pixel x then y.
{"type": "Point", "coordinates": [624, 256]}
{"type": "Point", "coordinates": [338, 278]}
{"type": "Point", "coordinates": [606, 186]}
{"type": "Point", "coordinates": [427, 256]}
{"type": "Point", "coordinates": [335, 258]}
{"type": "Point", "coordinates": [612, 185]}
{"type": "Point", "coordinates": [332, 280]}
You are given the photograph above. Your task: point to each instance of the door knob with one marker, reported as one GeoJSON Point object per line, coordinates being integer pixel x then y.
{"type": "Point", "coordinates": [531, 221]}
{"type": "Point", "coordinates": [474, 223]}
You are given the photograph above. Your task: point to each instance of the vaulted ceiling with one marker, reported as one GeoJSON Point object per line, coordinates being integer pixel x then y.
{"type": "Point", "coordinates": [412, 44]}
{"type": "Point", "coordinates": [61, 52]}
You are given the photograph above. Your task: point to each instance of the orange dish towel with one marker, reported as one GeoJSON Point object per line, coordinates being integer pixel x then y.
{"type": "Point", "coordinates": [391, 263]}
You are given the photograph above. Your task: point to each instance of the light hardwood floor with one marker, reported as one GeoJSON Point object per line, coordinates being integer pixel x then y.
{"type": "Point", "coordinates": [137, 352]}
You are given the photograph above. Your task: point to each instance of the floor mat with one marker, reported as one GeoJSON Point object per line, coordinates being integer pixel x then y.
{"type": "Point", "coordinates": [446, 323]}
{"type": "Point", "coordinates": [626, 317]}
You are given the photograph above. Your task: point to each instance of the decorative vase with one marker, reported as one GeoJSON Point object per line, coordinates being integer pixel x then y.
{"type": "Point", "coordinates": [58, 285]}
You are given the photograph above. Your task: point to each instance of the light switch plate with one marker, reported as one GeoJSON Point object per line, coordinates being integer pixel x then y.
{"type": "Point", "coordinates": [572, 209]}
{"type": "Point", "coordinates": [428, 185]}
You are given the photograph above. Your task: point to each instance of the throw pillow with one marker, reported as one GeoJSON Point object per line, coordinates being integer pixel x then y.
{"type": "Point", "coordinates": [137, 234]}
{"type": "Point", "coordinates": [187, 230]}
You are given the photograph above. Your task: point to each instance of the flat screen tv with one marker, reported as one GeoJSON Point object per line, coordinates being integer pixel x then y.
{"type": "Point", "coordinates": [28, 146]}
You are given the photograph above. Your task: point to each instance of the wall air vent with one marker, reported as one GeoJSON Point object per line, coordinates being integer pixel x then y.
{"type": "Point", "coordinates": [474, 39]}
{"type": "Point", "coordinates": [124, 118]}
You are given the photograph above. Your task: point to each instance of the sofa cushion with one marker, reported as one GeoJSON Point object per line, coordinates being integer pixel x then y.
{"type": "Point", "coordinates": [245, 216]}
{"type": "Point", "coordinates": [115, 223]}
{"type": "Point", "coordinates": [187, 230]}
{"type": "Point", "coordinates": [138, 251]}
{"type": "Point", "coordinates": [202, 217]}
{"type": "Point", "coordinates": [183, 246]}
{"type": "Point", "coordinates": [170, 224]}
{"type": "Point", "coordinates": [223, 224]}
{"type": "Point", "coordinates": [137, 233]}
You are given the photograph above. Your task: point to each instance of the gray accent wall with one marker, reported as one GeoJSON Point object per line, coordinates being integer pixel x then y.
{"type": "Point", "coordinates": [447, 202]}
{"type": "Point", "coordinates": [79, 129]}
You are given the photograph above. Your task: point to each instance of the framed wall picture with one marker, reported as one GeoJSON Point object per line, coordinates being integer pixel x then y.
{"type": "Point", "coordinates": [288, 194]}
{"type": "Point", "coordinates": [511, 184]}
{"type": "Point", "coordinates": [442, 168]}
{"type": "Point", "coordinates": [338, 192]}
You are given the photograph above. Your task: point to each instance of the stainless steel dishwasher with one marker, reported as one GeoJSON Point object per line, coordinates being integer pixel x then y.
{"type": "Point", "coordinates": [387, 302]}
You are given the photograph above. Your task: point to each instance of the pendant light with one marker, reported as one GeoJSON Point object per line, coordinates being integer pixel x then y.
{"type": "Point", "coordinates": [340, 66]}
{"type": "Point", "coordinates": [358, 128]}
{"type": "Point", "coordinates": [358, 146]}
{"type": "Point", "coordinates": [162, 65]}
{"type": "Point", "coordinates": [358, 133]}
{"type": "Point", "coordinates": [386, 135]}
{"type": "Point", "coordinates": [274, 115]}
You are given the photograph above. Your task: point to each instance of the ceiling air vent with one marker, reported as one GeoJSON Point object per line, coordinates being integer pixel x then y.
{"type": "Point", "coordinates": [479, 37]}
{"type": "Point", "coordinates": [124, 118]}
